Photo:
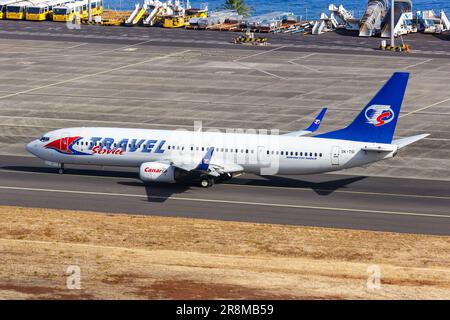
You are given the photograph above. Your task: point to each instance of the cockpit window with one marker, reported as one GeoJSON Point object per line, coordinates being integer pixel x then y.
{"type": "Point", "coordinates": [44, 139]}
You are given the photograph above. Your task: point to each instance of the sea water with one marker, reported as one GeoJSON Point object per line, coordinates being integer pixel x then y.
{"type": "Point", "coordinates": [305, 9]}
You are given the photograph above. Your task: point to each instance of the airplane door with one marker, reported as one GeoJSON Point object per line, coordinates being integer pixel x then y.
{"type": "Point", "coordinates": [263, 157]}
{"type": "Point", "coordinates": [64, 141]}
{"type": "Point", "coordinates": [335, 151]}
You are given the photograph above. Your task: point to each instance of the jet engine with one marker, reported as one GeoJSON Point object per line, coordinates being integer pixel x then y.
{"type": "Point", "coordinates": [157, 172]}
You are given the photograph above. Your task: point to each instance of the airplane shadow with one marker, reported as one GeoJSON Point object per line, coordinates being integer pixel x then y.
{"type": "Point", "coordinates": [161, 192]}
{"type": "Point", "coordinates": [157, 193]}
{"type": "Point", "coordinates": [322, 188]}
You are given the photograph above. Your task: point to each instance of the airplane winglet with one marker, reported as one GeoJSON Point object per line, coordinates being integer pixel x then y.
{"type": "Point", "coordinates": [317, 121]}
{"type": "Point", "coordinates": [312, 127]}
{"type": "Point", "coordinates": [204, 164]}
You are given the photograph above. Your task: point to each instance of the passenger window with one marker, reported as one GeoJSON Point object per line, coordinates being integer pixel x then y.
{"type": "Point", "coordinates": [315, 154]}
{"type": "Point", "coordinates": [296, 154]}
{"type": "Point", "coordinates": [320, 155]}
{"type": "Point", "coordinates": [282, 153]}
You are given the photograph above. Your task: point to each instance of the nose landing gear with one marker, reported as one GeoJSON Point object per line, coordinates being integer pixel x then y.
{"type": "Point", "coordinates": [61, 169]}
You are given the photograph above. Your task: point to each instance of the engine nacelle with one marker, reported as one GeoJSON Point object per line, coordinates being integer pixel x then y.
{"type": "Point", "coordinates": [157, 172]}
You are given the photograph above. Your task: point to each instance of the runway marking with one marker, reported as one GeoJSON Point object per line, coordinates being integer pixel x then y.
{"type": "Point", "coordinates": [418, 64]}
{"type": "Point", "coordinates": [95, 74]}
{"type": "Point", "coordinates": [260, 70]}
{"type": "Point", "coordinates": [277, 205]}
{"type": "Point", "coordinates": [400, 195]}
{"type": "Point", "coordinates": [301, 65]}
{"type": "Point", "coordinates": [259, 53]}
{"type": "Point", "coordinates": [424, 108]}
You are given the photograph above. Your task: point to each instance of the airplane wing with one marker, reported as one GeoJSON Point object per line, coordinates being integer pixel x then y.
{"type": "Point", "coordinates": [207, 166]}
{"type": "Point", "coordinates": [313, 126]}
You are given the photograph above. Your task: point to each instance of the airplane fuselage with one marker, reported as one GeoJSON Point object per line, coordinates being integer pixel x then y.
{"type": "Point", "coordinates": [257, 153]}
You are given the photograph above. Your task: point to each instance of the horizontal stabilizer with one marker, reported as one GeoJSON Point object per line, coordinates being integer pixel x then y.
{"type": "Point", "coordinates": [379, 147]}
{"type": "Point", "coordinates": [403, 142]}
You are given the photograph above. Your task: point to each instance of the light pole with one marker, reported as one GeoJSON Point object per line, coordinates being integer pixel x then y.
{"type": "Point", "coordinates": [89, 11]}
{"type": "Point", "coordinates": [392, 25]}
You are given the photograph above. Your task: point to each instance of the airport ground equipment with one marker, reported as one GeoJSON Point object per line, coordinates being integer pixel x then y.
{"type": "Point", "coordinates": [216, 18]}
{"type": "Point", "coordinates": [3, 4]}
{"type": "Point", "coordinates": [18, 10]}
{"type": "Point", "coordinates": [266, 22]}
{"type": "Point", "coordinates": [373, 17]}
{"type": "Point", "coordinates": [249, 39]}
{"type": "Point", "coordinates": [322, 25]}
{"type": "Point", "coordinates": [338, 18]}
{"type": "Point", "coordinates": [404, 47]}
{"type": "Point", "coordinates": [429, 22]}
{"type": "Point", "coordinates": [339, 15]}
{"type": "Point", "coordinates": [156, 8]}
{"type": "Point", "coordinates": [136, 15]}
{"type": "Point", "coordinates": [77, 10]}
{"type": "Point", "coordinates": [43, 11]}
{"type": "Point", "coordinates": [403, 20]}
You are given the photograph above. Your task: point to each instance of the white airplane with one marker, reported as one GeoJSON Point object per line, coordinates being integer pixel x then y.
{"type": "Point", "coordinates": [206, 157]}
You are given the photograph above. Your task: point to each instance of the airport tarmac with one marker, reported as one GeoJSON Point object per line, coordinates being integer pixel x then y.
{"type": "Point", "coordinates": [351, 202]}
{"type": "Point", "coordinates": [53, 77]}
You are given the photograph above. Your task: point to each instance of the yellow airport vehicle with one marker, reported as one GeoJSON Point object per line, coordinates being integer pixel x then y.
{"type": "Point", "coordinates": [3, 4]}
{"type": "Point", "coordinates": [174, 22]}
{"type": "Point", "coordinates": [17, 11]}
{"type": "Point", "coordinates": [43, 11]}
{"type": "Point", "coordinates": [177, 21]}
{"type": "Point", "coordinates": [77, 10]}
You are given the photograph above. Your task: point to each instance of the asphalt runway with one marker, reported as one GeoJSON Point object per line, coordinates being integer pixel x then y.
{"type": "Point", "coordinates": [353, 202]}
{"type": "Point", "coordinates": [54, 77]}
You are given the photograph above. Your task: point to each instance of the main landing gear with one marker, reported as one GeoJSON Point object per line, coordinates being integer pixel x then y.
{"type": "Point", "coordinates": [61, 169]}
{"type": "Point", "coordinates": [206, 182]}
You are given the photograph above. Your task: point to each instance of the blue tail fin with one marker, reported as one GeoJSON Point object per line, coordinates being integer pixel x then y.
{"type": "Point", "coordinates": [377, 121]}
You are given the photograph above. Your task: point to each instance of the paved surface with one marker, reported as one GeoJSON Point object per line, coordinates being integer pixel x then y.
{"type": "Point", "coordinates": [160, 78]}
{"type": "Point", "coordinates": [358, 202]}
{"type": "Point", "coordinates": [53, 77]}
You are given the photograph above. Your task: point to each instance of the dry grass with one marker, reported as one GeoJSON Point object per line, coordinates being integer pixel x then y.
{"type": "Point", "coordinates": [138, 257]}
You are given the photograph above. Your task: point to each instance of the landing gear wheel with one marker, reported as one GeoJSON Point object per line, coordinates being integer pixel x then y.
{"type": "Point", "coordinates": [61, 170]}
{"type": "Point", "coordinates": [206, 182]}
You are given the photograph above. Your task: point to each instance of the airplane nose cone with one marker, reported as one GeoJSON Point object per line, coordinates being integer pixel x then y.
{"type": "Point", "coordinates": [31, 147]}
